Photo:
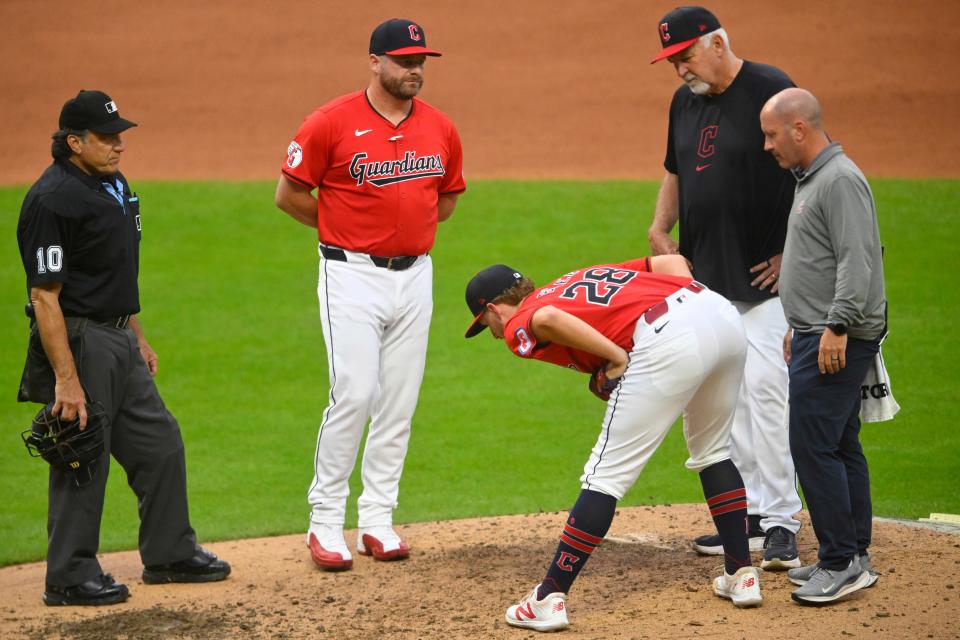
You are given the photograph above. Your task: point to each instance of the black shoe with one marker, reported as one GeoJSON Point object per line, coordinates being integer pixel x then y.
{"type": "Point", "coordinates": [712, 545]}
{"type": "Point", "coordinates": [96, 591]}
{"type": "Point", "coordinates": [780, 550]}
{"type": "Point", "coordinates": [202, 566]}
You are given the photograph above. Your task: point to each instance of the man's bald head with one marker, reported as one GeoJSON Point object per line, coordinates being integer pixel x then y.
{"type": "Point", "coordinates": [792, 129]}
{"type": "Point", "coordinates": [795, 104]}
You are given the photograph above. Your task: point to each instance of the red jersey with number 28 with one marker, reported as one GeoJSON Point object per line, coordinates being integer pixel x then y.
{"type": "Point", "coordinates": [378, 184]}
{"type": "Point", "coordinates": [608, 297]}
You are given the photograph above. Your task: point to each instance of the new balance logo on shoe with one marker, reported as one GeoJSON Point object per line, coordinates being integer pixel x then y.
{"type": "Point", "coordinates": [525, 610]}
{"type": "Point", "coordinates": [749, 582]}
{"type": "Point", "coordinates": [558, 606]}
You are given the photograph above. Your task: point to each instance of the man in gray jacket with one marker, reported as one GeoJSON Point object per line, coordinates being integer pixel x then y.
{"type": "Point", "coordinates": [831, 287]}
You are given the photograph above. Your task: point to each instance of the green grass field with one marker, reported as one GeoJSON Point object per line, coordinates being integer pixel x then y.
{"type": "Point", "coordinates": [228, 293]}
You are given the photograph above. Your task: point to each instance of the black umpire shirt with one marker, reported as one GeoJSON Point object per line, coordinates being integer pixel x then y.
{"type": "Point", "coordinates": [84, 232]}
{"type": "Point", "coordinates": [734, 198]}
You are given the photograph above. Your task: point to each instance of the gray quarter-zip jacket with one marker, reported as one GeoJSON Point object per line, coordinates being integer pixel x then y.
{"type": "Point", "coordinates": [832, 268]}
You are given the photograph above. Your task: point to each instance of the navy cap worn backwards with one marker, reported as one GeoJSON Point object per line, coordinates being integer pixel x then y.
{"type": "Point", "coordinates": [486, 287]}
{"type": "Point", "coordinates": [682, 27]}
{"type": "Point", "coordinates": [399, 37]}
{"type": "Point", "coordinates": [94, 111]}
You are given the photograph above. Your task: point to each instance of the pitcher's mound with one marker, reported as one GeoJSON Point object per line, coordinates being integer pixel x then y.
{"type": "Point", "coordinates": [645, 581]}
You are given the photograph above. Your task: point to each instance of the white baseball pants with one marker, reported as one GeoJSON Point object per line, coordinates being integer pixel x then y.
{"type": "Point", "coordinates": [689, 360]}
{"type": "Point", "coordinates": [761, 442]}
{"type": "Point", "coordinates": [375, 325]}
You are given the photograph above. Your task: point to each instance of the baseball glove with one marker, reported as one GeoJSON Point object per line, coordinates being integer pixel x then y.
{"type": "Point", "coordinates": [601, 386]}
{"type": "Point", "coordinates": [63, 445]}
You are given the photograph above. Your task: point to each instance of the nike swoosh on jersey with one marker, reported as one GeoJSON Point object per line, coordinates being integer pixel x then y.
{"type": "Point", "coordinates": [660, 328]}
{"type": "Point", "coordinates": [701, 167]}
{"type": "Point", "coordinates": [359, 133]}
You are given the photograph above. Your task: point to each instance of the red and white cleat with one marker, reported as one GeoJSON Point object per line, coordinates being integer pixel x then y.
{"type": "Point", "coordinates": [382, 543]}
{"type": "Point", "coordinates": [742, 588]}
{"type": "Point", "coordinates": [328, 548]}
{"type": "Point", "coordinates": [549, 614]}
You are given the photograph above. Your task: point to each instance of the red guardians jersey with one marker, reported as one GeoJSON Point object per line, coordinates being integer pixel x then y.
{"type": "Point", "coordinates": [378, 184]}
{"type": "Point", "coordinates": [608, 297]}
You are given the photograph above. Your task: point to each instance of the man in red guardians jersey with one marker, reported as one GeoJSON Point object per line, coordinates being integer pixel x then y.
{"type": "Point", "coordinates": [655, 343]}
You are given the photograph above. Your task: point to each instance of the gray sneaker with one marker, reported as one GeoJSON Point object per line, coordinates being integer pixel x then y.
{"type": "Point", "coordinates": [867, 566]}
{"type": "Point", "coordinates": [780, 550]}
{"type": "Point", "coordinates": [801, 575]}
{"type": "Point", "coordinates": [825, 586]}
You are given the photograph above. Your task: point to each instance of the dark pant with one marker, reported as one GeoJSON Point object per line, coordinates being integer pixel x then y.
{"type": "Point", "coordinates": [825, 443]}
{"type": "Point", "coordinates": [144, 438]}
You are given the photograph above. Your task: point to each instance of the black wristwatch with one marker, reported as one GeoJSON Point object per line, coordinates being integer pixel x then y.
{"type": "Point", "coordinates": [837, 329]}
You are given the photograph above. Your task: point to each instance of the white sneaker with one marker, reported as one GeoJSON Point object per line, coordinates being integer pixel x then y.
{"type": "Point", "coordinates": [549, 614]}
{"type": "Point", "coordinates": [743, 587]}
{"type": "Point", "coordinates": [382, 543]}
{"type": "Point", "coordinates": [328, 548]}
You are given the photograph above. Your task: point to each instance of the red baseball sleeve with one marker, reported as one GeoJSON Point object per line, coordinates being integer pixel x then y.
{"type": "Point", "coordinates": [518, 335]}
{"type": "Point", "coordinates": [309, 152]}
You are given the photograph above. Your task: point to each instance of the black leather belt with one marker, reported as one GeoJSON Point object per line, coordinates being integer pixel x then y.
{"type": "Point", "coordinates": [117, 322]}
{"type": "Point", "coordinates": [398, 263]}
{"type": "Point", "coordinates": [653, 313]}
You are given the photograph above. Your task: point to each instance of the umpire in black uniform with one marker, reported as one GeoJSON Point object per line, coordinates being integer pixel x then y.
{"type": "Point", "coordinates": [79, 236]}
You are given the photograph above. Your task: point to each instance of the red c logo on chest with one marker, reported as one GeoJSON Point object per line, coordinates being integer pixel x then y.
{"type": "Point", "coordinates": [707, 136]}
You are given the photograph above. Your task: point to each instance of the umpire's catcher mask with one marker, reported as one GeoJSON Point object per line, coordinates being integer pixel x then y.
{"type": "Point", "coordinates": [64, 445]}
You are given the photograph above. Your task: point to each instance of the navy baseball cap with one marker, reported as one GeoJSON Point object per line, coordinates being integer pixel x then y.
{"type": "Point", "coordinates": [94, 111]}
{"type": "Point", "coordinates": [485, 287]}
{"type": "Point", "coordinates": [682, 27]}
{"type": "Point", "coordinates": [399, 37]}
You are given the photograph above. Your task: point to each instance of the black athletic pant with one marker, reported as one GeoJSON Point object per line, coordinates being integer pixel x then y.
{"type": "Point", "coordinates": [825, 443]}
{"type": "Point", "coordinates": [144, 438]}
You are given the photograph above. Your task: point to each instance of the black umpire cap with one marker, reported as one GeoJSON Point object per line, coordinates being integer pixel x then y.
{"type": "Point", "coordinates": [94, 111]}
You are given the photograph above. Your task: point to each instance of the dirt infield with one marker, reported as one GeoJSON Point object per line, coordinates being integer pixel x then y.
{"type": "Point", "coordinates": [462, 575]}
{"type": "Point", "coordinates": [539, 88]}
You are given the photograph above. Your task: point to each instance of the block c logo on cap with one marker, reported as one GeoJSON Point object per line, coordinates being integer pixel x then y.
{"type": "Point", "coordinates": [111, 107]}
{"type": "Point", "coordinates": [663, 32]}
{"type": "Point", "coordinates": [415, 32]}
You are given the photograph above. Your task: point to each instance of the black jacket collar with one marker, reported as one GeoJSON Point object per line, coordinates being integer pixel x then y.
{"type": "Point", "coordinates": [94, 182]}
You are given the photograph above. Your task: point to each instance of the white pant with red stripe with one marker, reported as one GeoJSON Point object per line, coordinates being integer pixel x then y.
{"type": "Point", "coordinates": [760, 444]}
{"type": "Point", "coordinates": [375, 325]}
{"type": "Point", "coordinates": [689, 360]}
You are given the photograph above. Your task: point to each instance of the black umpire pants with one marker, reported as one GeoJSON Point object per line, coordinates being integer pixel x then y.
{"type": "Point", "coordinates": [825, 443]}
{"type": "Point", "coordinates": [144, 438]}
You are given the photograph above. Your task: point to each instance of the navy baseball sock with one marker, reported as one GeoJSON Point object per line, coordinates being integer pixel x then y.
{"type": "Point", "coordinates": [588, 522]}
{"type": "Point", "coordinates": [727, 499]}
